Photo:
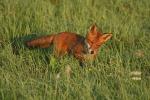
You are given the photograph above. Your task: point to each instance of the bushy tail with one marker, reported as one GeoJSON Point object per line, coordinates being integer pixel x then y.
{"type": "Point", "coordinates": [42, 42]}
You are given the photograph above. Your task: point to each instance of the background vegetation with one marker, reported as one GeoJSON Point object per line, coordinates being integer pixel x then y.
{"type": "Point", "coordinates": [37, 74]}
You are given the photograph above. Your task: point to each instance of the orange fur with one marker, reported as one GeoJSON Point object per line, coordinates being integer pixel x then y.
{"type": "Point", "coordinates": [72, 43]}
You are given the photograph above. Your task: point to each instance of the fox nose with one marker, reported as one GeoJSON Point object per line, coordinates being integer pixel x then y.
{"type": "Point", "coordinates": [92, 52]}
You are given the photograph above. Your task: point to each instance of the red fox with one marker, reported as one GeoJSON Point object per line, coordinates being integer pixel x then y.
{"type": "Point", "coordinates": [72, 43]}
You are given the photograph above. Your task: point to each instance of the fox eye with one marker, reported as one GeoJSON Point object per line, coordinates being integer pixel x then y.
{"type": "Point", "coordinates": [91, 42]}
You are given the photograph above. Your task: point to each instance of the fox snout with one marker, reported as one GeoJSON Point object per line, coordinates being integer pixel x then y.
{"type": "Point", "coordinates": [91, 52]}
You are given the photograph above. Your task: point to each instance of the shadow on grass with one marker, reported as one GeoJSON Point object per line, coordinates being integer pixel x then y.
{"type": "Point", "coordinates": [18, 43]}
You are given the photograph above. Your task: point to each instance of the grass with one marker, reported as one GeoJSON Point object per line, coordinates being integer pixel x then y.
{"type": "Point", "coordinates": [29, 75]}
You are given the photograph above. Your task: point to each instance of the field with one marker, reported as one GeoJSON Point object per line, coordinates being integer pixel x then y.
{"type": "Point", "coordinates": [37, 75]}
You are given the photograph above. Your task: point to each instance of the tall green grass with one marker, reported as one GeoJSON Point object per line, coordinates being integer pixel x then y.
{"type": "Point", "coordinates": [29, 75]}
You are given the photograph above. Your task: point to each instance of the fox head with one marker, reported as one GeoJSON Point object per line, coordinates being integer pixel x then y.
{"type": "Point", "coordinates": [95, 39]}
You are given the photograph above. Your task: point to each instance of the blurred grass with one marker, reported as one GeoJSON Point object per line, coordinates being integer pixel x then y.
{"type": "Point", "coordinates": [30, 76]}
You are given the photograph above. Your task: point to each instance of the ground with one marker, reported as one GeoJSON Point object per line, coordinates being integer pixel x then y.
{"type": "Point", "coordinates": [37, 74]}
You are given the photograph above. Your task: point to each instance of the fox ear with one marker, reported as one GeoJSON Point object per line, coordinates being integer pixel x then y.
{"type": "Point", "coordinates": [93, 29]}
{"type": "Point", "coordinates": [105, 37]}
